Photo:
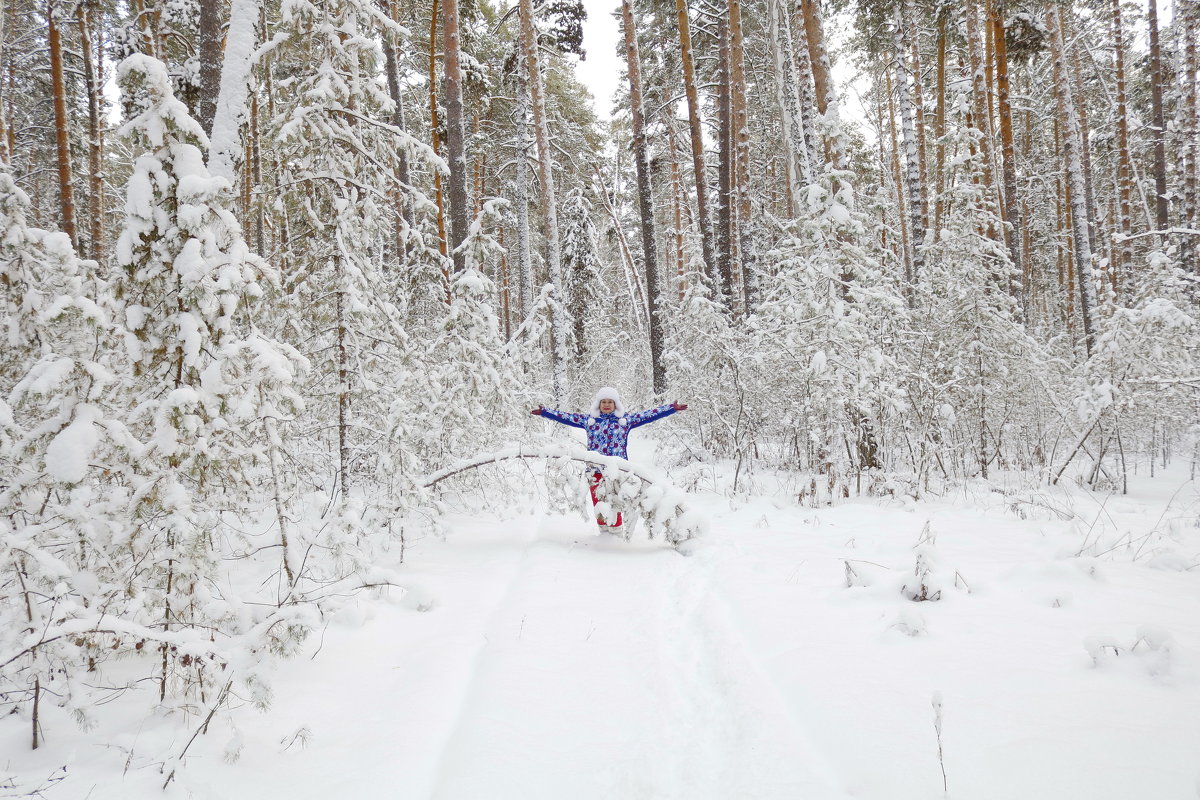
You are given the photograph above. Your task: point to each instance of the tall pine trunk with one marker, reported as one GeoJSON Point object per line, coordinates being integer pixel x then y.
{"type": "Point", "coordinates": [392, 65]}
{"type": "Point", "coordinates": [645, 203]}
{"type": "Point", "coordinates": [1158, 123]}
{"type": "Point", "coordinates": [724, 237]}
{"type": "Point", "coordinates": [66, 194]}
{"type": "Point", "coordinates": [979, 110]}
{"type": "Point", "coordinates": [1012, 217]}
{"type": "Point", "coordinates": [1069, 125]}
{"type": "Point", "coordinates": [747, 261]}
{"type": "Point", "coordinates": [912, 169]}
{"type": "Point", "coordinates": [210, 62]}
{"type": "Point", "coordinates": [826, 89]}
{"type": "Point", "coordinates": [541, 132]}
{"type": "Point", "coordinates": [797, 168]}
{"type": "Point", "coordinates": [699, 168]}
{"type": "Point", "coordinates": [91, 69]}
{"type": "Point", "coordinates": [456, 155]}
{"type": "Point", "coordinates": [521, 194]}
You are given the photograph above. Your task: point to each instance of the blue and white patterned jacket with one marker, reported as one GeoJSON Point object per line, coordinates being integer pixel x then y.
{"type": "Point", "coordinates": [608, 434]}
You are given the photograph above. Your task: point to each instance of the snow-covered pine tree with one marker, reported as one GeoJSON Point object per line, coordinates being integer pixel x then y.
{"type": "Point", "coordinates": [975, 403]}
{"type": "Point", "coordinates": [52, 412]}
{"type": "Point", "coordinates": [201, 383]}
{"type": "Point", "coordinates": [832, 315]}
{"type": "Point", "coordinates": [469, 398]}
{"type": "Point", "coordinates": [581, 267]}
{"type": "Point", "coordinates": [338, 154]}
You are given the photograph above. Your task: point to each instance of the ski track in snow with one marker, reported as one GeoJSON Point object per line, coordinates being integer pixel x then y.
{"type": "Point", "coordinates": [554, 663]}
{"type": "Point", "coordinates": [708, 722]}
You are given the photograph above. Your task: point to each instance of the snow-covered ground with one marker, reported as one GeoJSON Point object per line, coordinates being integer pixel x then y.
{"type": "Point", "coordinates": [534, 658]}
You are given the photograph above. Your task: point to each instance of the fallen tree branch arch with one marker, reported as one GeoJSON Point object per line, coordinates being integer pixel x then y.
{"type": "Point", "coordinates": [660, 504]}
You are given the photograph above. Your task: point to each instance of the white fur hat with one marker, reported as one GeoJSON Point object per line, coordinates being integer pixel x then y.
{"type": "Point", "coordinates": [607, 393]}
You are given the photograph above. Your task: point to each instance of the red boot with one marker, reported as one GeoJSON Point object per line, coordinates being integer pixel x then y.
{"type": "Point", "coordinates": [592, 484]}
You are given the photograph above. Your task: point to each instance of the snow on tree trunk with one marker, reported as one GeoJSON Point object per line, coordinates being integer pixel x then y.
{"type": "Point", "coordinates": [1158, 122]}
{"type": "Point", "coordinates": [1190, 163]}
{"type": "Point", "coordinates": [797, 167]}
{"type": "Point", "coordinates": [66, 194]}
{"type": "Point", "coordinates": [92, 67]}
{"type": "Point", "coordinates": [747, 269]}
{"type": "Point", "coordinates": [1069, 122]}
{"type": "Point", "coordinates": [435, 142]}
{"type": "Point", "coordinates": [390, 43]}
{"type": "Point", "coordinates": [645, 203]}
{"type": "Point", "coordinates": [231, 109]}
{"type": "Point", "coordinates": [699, 168]}
{"type": "Point", "coordinates": [1124, 164]}
{"type": "Point", "coordinates": [826, 89]}
{"type": "Point", "coordinates": [725, 169]}
{"type": "Point", "coordinates": [456, 153]}
{"type": "Point", "coordinates": [912, 171]}
{"type": "Point", "coordinates": [1012, 203]}
{"type": "Point", "coordinates": [209, 54]}
{"type": "Point", "coordinates": [541, 131]}
{"type": "Point", "coordinates": [521, 191]}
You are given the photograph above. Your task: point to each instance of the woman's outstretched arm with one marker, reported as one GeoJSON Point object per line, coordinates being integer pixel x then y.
{"type": "Point", "coordinates": [652, 414]}
{"type": "Point", "coordinates": [575, 420]}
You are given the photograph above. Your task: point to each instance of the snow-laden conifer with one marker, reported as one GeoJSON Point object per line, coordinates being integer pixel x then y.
{"type": "Point", "coordinates": [975, 403]}
{"type": "Point", "coordinates": [55, 426]}
{"type": "Point", "coordinates": [468, 396]}
{"type": "Point", "coordinates": [201, 380]}
{"type": "Point", "coordinates": [338, 153]}
{"type": "Point", "coordinates": [825, 329]}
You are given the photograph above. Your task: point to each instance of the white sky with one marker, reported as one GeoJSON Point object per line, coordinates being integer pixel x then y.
{"type": "Point", "coordinates": [602, 70]}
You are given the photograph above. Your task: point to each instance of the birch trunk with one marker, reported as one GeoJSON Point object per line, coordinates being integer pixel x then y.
{"type": "Point", "coordinates": [455, 134]}
{"type": "Point", "coordinates": [905, 253]}
{"type": "Point", "coordinates": [1069, 125]}
{"type": "Point", "coordinates": [541, 132]}
{"type": "Point", "coordinates": [1124, 167]}
{"type": "Point", "coordinates": [1085, 146]}
{"type": "Point", "coordinates": [645, 202]}
{"type": "Point", "coordinates": [916, 75]}
{"type": "Point", "coordinates": [697, 140]}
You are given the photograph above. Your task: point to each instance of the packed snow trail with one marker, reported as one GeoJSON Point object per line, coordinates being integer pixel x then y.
{"type": "Point", "coordinates": [615, 673]}
{"type": "Point", "coordinates": [535, 658]}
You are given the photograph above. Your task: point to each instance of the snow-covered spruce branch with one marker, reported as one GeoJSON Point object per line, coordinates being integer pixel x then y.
{"type": "Point", "coordinates": [661, 505]}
